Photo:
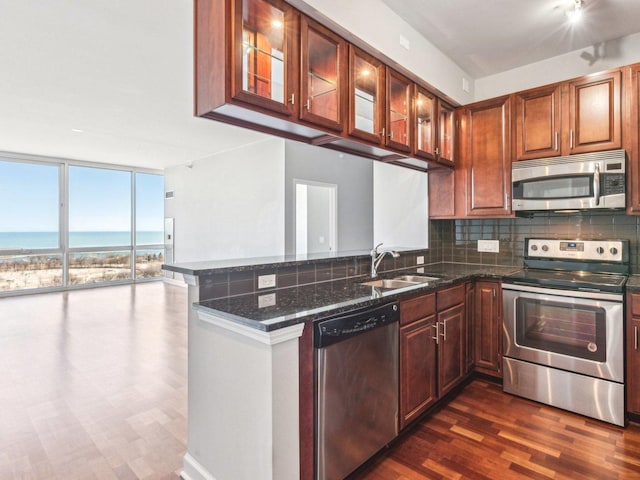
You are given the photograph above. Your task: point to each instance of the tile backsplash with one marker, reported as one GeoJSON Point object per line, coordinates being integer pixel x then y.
{"type": "Point", "coordinates": [456, 240]}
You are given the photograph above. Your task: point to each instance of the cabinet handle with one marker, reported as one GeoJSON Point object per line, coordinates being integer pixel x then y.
{"type": "Point", "coordinates": [555, 141]}
{"type": "Point", "coordinates": [635, 337]}
{"type": "Point", "coordinates": [292, 99]}
{"type": "Point", "coordinates": [437, 151]}
{"type": "Point", "coordinates": [444, 330]}
{"type": "Point", "coordinates": [437, 327]}
{"type": "Point", "coordinates": [570, 138]}
{"type": "Point", "coordinates": [307, 105]}
{"type": "Point", "coordinates": [382, 132]}
{"type": "Point", "coordinates": [493, 292]}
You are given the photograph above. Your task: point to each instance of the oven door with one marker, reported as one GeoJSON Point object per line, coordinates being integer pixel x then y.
{"type": "Point", "coordinates": [558, 329]}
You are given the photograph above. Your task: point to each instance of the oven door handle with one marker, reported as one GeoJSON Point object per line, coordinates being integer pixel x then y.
{"type": "Point", "coordinates": [596, 183]}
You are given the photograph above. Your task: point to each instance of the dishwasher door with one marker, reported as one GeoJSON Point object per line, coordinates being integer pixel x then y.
{"type": "Point", "coordinates": [356, 399]}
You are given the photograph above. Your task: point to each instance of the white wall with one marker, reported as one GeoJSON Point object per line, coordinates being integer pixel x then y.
{"type": "Point", "coordinates": [364, 19]}
{"type": "Point", "coordinates": [230, 205]}
{"type": "Point", "coordinates": [400, 202]}
{"type": "Point", "coordinates": [615, 53]}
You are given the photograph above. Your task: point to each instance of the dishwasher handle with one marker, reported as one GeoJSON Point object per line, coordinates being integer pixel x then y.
{"type": "Point", "coordinates": [353, 322]}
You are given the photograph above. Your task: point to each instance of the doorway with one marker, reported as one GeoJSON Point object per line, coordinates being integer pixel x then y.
{"type": "Point", "coordinates": [316, 228]}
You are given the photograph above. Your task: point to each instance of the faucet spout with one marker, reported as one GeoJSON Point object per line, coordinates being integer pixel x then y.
{"type": "Point", "coordinates": [376, 258]}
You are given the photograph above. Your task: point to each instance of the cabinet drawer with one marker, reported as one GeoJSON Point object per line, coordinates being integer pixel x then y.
{"type": "Point", "coordinates": [417, 308]}
{"type": "Point", "coordinates": [634, 299]}
{"type": "Point", "coordinates": [450, 296]}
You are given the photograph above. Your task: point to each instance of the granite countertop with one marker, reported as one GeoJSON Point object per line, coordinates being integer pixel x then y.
{"type": "Point", "coordinates": [313, 302]}
{"type": "Point", "coordinates": [633, 283]}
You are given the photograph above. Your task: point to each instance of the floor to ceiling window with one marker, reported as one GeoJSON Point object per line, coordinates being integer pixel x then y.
{"type": "Point", "coordinates": [68, 224]}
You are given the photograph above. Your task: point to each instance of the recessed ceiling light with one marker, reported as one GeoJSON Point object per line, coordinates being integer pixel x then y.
{"type": "Point", "coordinates": [575, 13]}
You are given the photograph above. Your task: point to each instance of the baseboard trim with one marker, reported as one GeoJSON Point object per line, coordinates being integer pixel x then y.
{"type": "Point", "coordinates": [193, 470]}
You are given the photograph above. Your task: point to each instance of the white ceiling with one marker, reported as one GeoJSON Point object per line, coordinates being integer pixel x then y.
{"type": "Point", "coordinates": [121, 71]}
{"type": "Point", "coordinates": [485, 37]}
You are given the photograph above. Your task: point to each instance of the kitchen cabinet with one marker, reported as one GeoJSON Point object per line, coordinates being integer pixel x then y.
{"type": "Point", "coordinates": [632, 134]}
{"type": "Point", "coordinates": [398, 114]}
{"type": "Point", "coordinates": [432, 349]}
{"type": "Point", "coordinates": [469, 311]}
{"type": "Point", "coordinates": [488, 328]}
{"type": "Point", "coordinates": [433, 127]}
{"type": "Point", "coordinates": [324, 73]}
{"type": "Point", "coordinates": [485, 157]}
{"type": "Point", "coordinates": [578, 116]}
{"type": "Point", "coordinates": [633, 353]}
{"type": "Point", "coordinates": [366, 96]}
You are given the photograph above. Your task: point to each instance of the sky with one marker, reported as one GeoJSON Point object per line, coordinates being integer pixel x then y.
{"type": "Point", "coordinates": [99, 199]}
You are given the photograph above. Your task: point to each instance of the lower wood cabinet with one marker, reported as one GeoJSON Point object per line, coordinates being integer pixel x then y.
{"type": "Point", "coordinates": [432, 349]}
{"type": "Point", "coordinates": [633, 353]}
{"type": "Point", "coordinates": [488, 328]}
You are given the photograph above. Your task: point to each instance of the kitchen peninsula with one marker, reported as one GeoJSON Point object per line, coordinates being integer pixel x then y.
{"type": "Point", "coordinates": [250, 355]}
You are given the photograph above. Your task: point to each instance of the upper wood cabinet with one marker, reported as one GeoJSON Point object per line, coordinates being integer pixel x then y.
{"type": "Point", "coordinates": [366, 96]}
{"type": "Point", "coordinates": [434, 125]}
{"type": "Point", "coordinates": [537, 123]}
{"type": "Point", "coordinates": [485, 156]}
{"type": "Point", "coordinates": [323, 75]}
{"type": "Point", "coordinates": [595, 121]}
{"type": "Point", "coordinates": [398, 112]}
{"type": "Point", "coordinates": [632, 135]}
{"type": "Point", "coordinates": [579, 116]}
{"type": "Point", "coordinates": [445, 150]}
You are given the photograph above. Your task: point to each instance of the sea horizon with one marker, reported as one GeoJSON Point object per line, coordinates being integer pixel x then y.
{"type": "Point", "coordinates": [77, 239]}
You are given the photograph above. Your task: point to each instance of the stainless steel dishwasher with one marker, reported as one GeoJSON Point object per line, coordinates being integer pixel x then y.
{"type": "Point", "coordinates": [356, 388]}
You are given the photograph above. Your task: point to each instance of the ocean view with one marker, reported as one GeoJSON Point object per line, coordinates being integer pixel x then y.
{"type": "Point", "coordinates": [34, 240]}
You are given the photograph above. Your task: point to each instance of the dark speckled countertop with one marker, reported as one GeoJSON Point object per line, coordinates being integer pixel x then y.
{"type": "Point", "coordinates": [312, 302]}
{"type": "Point", "coordinates": [633, 283]}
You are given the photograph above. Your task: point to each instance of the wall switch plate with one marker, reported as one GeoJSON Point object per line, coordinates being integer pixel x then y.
{"type": "Point", "coordinates": [492, 246]}
{"type": "Point", "coordinates": [268, 300]}
{"type": "Point", "coordinates": [420, 260]}
{"type": "Point", "coordinates": [267, 281]}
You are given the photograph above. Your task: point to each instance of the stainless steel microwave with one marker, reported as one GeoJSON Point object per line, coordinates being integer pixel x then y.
{"type": "Point", "coordinates": [574, 182]}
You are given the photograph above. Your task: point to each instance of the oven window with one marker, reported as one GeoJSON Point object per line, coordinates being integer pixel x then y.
{"type": "Point", "coordinates": [575, 186]}
{"type": "Point", "coordinates": [569, 329]}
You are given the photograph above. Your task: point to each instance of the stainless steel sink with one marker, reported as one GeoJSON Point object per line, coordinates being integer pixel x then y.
{"type": "Point", "coordinates": [416, 278]}
{"type": "Point", "coordinates": [389, 283]}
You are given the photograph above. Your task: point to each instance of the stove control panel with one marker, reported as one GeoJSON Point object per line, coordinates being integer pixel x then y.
{"type": "Point", "coordinates": [599, 250]}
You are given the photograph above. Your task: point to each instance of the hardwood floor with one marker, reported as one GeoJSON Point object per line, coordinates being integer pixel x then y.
{"type": "Point", "coordinates": [94, 383]}
{"type": "Point", "coordinates": [486, 434]}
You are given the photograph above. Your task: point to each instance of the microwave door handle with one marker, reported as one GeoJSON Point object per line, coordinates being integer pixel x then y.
{"type": "Point", "coordinates": [596, 183]}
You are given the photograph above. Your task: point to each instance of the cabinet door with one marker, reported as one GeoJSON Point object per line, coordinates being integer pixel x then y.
{"type": "Point", "coordinates": [417, 368]}
{"type": "Point", "coordinates": [594, 113]}
{"type": "Point", "coordinates": [538, 123]}
{"type": "Point", "coordinates": [469, 311]}
{"type": "Point", "coordinates": [323, 69]}
{"type": "Point", "coordinates": [486, 156]}
{"type": "Point", "coordinates": [451, 348]}
{"type": "Point", "coordinates": [632, 133]}
{"type": "Point", "coordinates": [398, 111]}
{"type": "Point", "coordinates": [446, 133]}
{"type": "Point", "coordinates": [265, 54]}
{"type": "Point", "coordinates": [366, 96]}
{"type": "Point", "coordinates": [633, 353]}
{"type": "Point", "coordinates": [425, 124]}
{"type": "Point", "coordinates": [488, 328]}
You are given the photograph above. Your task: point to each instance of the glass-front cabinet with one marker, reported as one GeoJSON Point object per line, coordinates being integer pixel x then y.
{"type": "Point", "coordinates": [446, 128]}
{"type": "Point", "coordinates": [266, 60]}
{"type": "Point", "coordinates": [425, 124]}
{"type": "Point", "coordinates": [366, 100]}
{"type": "Point", "coordinates": [398, 113]}
{"type": "Point", "coordinates": [324, 59]}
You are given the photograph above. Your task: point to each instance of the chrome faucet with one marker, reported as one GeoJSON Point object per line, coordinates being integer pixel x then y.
{"type": "Point", "coordinates": [376, 258]}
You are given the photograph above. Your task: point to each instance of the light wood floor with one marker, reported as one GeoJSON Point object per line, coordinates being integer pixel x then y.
{"type": "Point", "coordinates": [93, 383]}
{"type": "Point", "coordinates": [485, 434]}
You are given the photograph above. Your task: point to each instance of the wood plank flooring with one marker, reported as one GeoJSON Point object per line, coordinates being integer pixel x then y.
{"type": "Point", "coordinates": [485, 434]}
{"type": "Point", "coordinates": [94, 383]}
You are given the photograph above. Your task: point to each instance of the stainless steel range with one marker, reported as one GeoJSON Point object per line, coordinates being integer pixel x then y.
{"type": "Point", "coordinates": [564, 326]}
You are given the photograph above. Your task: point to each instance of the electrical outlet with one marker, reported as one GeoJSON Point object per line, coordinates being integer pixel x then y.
{"type": "Point", "coordinates": [268, 300]}
{"type": "Point", "coordinates": [420, 260]}
{"type": "Point", "coordinates": [492, 246]}
{"type": "Point", "coordinates": [420, 270]}
{"type": "Point", "coordinates": [267, 281]}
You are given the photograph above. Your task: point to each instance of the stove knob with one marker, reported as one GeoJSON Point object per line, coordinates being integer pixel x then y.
{"type": "Point", "coordinates": [534, 248]}
{"type": "Point", "coordinates": [600, 250]}
{"type": "Point", "coordinates": [613, 251]}
{"type": "Point", "coordinates": [545, 248]}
